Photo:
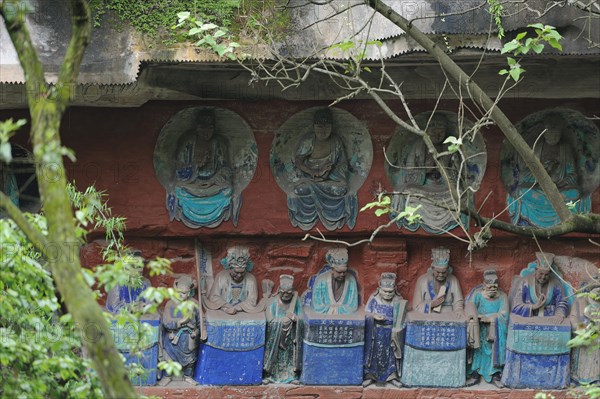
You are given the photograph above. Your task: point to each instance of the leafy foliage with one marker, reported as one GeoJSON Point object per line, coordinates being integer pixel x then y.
{"type": "Point", "coordinates": [150, 17]}
{"type": "Point", "coordinates": [522, 44]}
{"type": "Point", "coordinates": [208, 35]}
{"type": "Point", "coordinates": [40, 347]}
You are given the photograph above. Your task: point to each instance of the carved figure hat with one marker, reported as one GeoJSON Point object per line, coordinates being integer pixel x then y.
{"type": "Point", "coordinates": [387, 281]}
{"type": "Point", "coordinates": [440, 257]}
{"type": "Point", "coordinates": [184, 282]}
{"type": "Point", "coordinates": [237, 254]}
{"type": "Point", "coordinates": [545, 260]}
{"type": "Point", "coordinates": [337, 258]}
{"type": "Point", "coordinates": [286, 282]}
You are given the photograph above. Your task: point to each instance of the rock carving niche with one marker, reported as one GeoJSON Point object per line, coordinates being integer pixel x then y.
{"type": "Point", "coordinates": [320, 157]}
{"type": "Point", "coordinates": [568, 145]}
{"type": "Point", "coordinates": [417, 181]}
{"type": "Point", "coordinates": [204, 158]}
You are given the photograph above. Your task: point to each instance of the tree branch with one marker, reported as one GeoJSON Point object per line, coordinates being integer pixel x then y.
{"type": "Point", "coordinates": [36, 238]}
{"type": "Point", "coordinates": [479, 96]}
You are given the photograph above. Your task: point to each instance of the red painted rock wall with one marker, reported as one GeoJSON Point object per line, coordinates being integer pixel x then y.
{"type": "Point", "coordinates": [114, 148]}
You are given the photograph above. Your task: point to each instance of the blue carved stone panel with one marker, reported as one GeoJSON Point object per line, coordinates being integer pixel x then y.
{"type": "Point", "coordinates": [436, 336]}
{"type": "Point", "coordinates": [125, 337]}
{"type": "Point", "coordinates": [435, 354]}
{"type": "Point", "coordinates": [332, 349]}
{"type": "Point", "coordinates": [537, 356]}
{"type": "Point", "coordinates": [233, 353]}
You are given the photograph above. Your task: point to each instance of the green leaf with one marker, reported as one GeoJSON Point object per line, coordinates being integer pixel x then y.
{"type": "Point", "coordinates": [5, 152]}
{"type": "Point", "coordinates": [503, 72]}
{"type": "Point", "coordinates": [194, 31]}
{"type": "Point", "coordinates": [554, 43]}
{"type": "Point", "coordinates": [515, 73]}
{"type": "Point", "coordinates": [511, 61]}
{"type": "Point", "coordinates": [208, 26]}
{"type": "Point", "coordinates": [210, 40]}
{"type": "Point", "coordinates": [510, 46]}
{"type": "Point", "coordinates": [538, 26]}
{"type": "Point", "coordinates": [381, 211]}
{"type": "Point", "coordinates": [375, 42]}
{"type": "Point", "coordinates": [367, 69]}
{"type": "Point", "coordinates": [219, 33]}
{"type": "Point", "coordinates": [521, 35]}
{"type": "Point", "coordinates": [538, 48]}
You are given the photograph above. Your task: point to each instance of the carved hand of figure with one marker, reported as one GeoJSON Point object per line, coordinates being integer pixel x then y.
{"type": "Point", "coordinates": [540, 303]}
{"type": "Point", "coordinates": [183, 322]}
{"type": "Point", "coordinates": [378, 317]}
{"type": "Point", "coordinates": [557, 319]}
{"type": "Point", "coordinates": [438, 301]}
{"type": "Point", "coordinates": [291, 317]}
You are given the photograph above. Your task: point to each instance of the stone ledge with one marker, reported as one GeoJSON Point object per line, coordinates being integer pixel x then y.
{"type": "Point", "coordinates": [181, 391]}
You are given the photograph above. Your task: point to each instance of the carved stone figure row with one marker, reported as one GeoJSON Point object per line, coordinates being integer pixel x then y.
{"type": "Point", "coordinates": [320, 157]}
{"type": "Point", "coordinates": [236, 339]}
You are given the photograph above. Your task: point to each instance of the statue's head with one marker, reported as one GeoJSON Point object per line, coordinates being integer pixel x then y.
{"type": "Point", "coordinates": [544, 267]}
{"type": "Point", "coordinates": [286, 287]}
{"type": "Point", "coordinates": [238, 262]}
{"type": "Point", "coordinates": [387, 286]}
{"type": "Point", "coordinates": [323, 124]}
{"type": "Point", "coordinates": [337, 258]}
{"type": "Point", "coordinates": [436, 129]}
{"type": "Point", "coordinates": [440, 262]}
{"type": "Point", "coordinates": [204, 121]}
{"type": "Point", "coordinates": [184, 286]}
{"type": "Point", "coordinates": [490, 283]}
{"type": "Point", "coordinates": [555, 125]}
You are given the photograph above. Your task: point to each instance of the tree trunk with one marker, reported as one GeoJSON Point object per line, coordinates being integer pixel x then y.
{"type": "Point", "coordinates": [46, 105]}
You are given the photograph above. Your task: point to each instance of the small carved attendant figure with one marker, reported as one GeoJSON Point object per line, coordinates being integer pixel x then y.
{"type": "Point", "coordinates": [585, 360]}
{"type": "Point", "coordinates": [569, 151]}
{"type": "Point", "coordinates": [203, 194]}
{"type": "Point", "coordinates": [321, 187]}
{"type": "Point", "coordinates": [181, 334]}
{"type": "Point", "coordinates": [128, 295]}
{"type": "Point", "coordinates": [384, 331]}
{"type": "Point", "coordinates": [335, 292]}
{"type": "Point", "coordinates": [282, 363]}
{"type": "Point", "coordinates": [234, 289]}
{"type": "Point", "coordinates": [438, 290]}
{"type": "Point", "coordinates": [488, 312]}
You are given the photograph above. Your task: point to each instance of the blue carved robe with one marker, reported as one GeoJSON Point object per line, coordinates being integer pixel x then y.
{"type": "Point", "coordinates": [488, 359]}
{"type": "Point", "coordinates": [382, 349]}
{"type": "Point", "coordinates": [526, 296]}
{"type": "Point", "coordinates": [203, 193]}
{"type": "Point", "coordinates": [281, 354]}
{"type": "Point", "coordinates": [323, 300]}
{"type": "Point", "coordinates": [326, 199]}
